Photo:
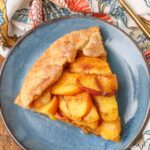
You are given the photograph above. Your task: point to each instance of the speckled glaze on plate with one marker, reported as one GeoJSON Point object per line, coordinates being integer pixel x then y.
{"type": "Point", "coordinates": [36, 132]}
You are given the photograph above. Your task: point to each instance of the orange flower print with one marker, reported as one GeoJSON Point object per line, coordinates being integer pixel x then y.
{"type": "Point", "coordinates": [79, 6]}
{"type": "Point", "coordinates": [103, 16]}
{"type": "Point", "coordinates": [147, 54]}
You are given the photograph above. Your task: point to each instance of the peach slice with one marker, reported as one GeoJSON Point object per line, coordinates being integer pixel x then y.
{"type": "Point", "coordinates": [90, 65]}
{"type": "Point", "coordinates": [92, 116]}
{"type": "Point", "coordinates": [107, 107]}
{"type": "Point", "coordinates": [66, 85]}
{"type": "Point", "coordinates": [89, 83]}
{"type": "Point", "coordinates": [110, 130]}
{"type": "Point", "coordinates": [63, 106]}
{"type": "Point", "coordinates": [51, 107]}
{"type": "Point", "coordinates": [93, 125]}
{"type": "Point", "coordinates": [79, 105]}
{"type": "Point", "coordinates": [108, 83]}
{"type": "Point", "coordinates": [91, 120]}
{"type": "Point", "coordinates": [59, 116]}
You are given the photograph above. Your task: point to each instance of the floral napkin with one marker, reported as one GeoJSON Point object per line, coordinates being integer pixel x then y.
{"type": "Point", "coordinates": [17, 17]}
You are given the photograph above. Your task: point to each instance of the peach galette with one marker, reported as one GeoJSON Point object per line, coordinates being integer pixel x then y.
{"type": "Point", "coordinates": [72, 82]}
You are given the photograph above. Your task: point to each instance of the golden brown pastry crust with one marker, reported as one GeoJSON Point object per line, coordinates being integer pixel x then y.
{"type": "Point", "coordinates": [49, 66]}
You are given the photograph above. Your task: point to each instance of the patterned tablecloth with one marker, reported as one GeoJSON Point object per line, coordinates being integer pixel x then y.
{"type": "Point", "coordinates": [16, 17]}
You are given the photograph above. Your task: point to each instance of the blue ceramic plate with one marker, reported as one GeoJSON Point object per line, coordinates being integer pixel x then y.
{"type": "Point", "coordinates": [36, 132]}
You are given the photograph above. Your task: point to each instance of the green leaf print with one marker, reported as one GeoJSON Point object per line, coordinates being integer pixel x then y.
{"type": "Point", "coordinates": [118, 13]}
{"type": "Point", "coordinates": [52, 11]}
{"type": "Point", "coordinates": [21, 15]}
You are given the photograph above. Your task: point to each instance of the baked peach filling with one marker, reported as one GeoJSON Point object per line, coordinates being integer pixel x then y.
{"type": "Point", "coordinates": [84, 96]}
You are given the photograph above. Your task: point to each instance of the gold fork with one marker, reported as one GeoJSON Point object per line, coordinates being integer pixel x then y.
{"type": "Point", "coordinates": [141, 22]}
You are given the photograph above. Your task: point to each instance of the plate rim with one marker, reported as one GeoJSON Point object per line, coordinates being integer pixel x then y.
{"type": "Point", "coordinates": [146, 119]}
